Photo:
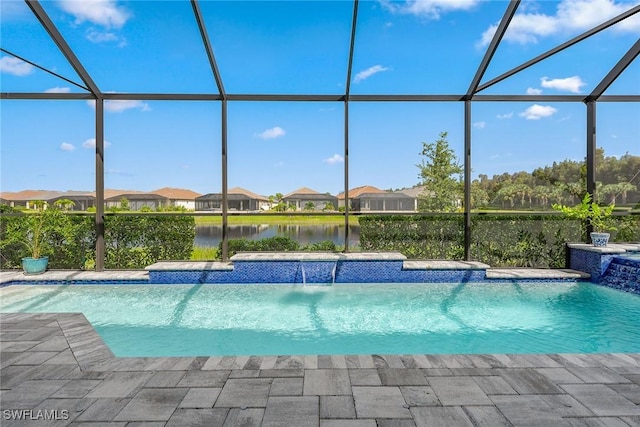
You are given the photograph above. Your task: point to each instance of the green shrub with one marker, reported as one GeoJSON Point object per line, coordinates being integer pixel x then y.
{"type": "Point", "coordinates": [324, 246]}
{"type": "Point", "coordinates": [534, 240]}
{"type": "Point", "coordinates": [141, 240]}
{"type": "Point", "coordinates": [269, 244]}
{"type": "Point", "coordinates": [69, 240]}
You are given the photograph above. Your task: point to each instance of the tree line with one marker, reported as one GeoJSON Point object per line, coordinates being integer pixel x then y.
{"type": "Point", "coordinates": [564, 182]}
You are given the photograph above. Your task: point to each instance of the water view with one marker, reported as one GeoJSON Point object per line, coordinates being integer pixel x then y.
{"type": "Point", "coordinates": [211, 235]}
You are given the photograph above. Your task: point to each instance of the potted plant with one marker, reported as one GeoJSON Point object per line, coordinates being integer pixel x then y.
{"type": "Point", "coordinates": [593, 214]}
{"type": "Point", "coordinates": [36, 263]}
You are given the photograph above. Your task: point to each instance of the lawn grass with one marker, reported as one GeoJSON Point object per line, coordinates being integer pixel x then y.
{"type": "Point", "coordinates": [204, 253]}
{"type": "Point", "coordinates": [277, 219]}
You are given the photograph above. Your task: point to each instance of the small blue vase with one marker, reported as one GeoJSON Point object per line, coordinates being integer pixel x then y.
{"type": "Point", "coordinates": [35, 265]}
{"type": "Point", "coordinates": [600, 239]}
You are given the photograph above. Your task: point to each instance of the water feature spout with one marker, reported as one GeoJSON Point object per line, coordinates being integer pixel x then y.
{"type": "Point", "coordinates": [318, 272]}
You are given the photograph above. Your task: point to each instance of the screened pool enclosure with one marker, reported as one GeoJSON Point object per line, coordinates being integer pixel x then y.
{"type": "Point", "coordinates": [536, 103]}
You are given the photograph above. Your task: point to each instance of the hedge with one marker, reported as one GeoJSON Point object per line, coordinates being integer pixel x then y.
{"type": "Point", "coordinates": [130, 241]}
{"type": "Point", "coordinates": [533, 240]}
{"type": "Point", "coordinates": [274, 244]}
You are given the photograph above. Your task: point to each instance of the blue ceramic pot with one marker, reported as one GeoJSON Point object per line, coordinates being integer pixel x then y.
{"type": "Point", "coordinates": [35, 265]}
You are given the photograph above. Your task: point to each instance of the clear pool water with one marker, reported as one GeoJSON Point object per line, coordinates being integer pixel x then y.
{"type": "Point", "coordinates": [180, 320]}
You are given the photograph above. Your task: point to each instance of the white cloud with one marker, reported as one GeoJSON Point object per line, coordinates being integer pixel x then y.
{"type": "Point", "coordinates": [65, 146]}
{"type": "Point", "coordinates": [105, 13]}
{"type": "Point", "coordinates": [118, 106]}
{"type": "Point", "coordinates": [570, 16]}
{"type": "Point", "coordinates": [272, 133]}
{"type": "Point", "coordinates": [91, 143]}
{"type": "Point", "coordinates": [336, 158]}
{"type": "Point", "coordinates": [533, 91]}
{"type": "Point", "coordinates": [536, 112]}
{"type": "Point", "coordinates": [58, 90]}
{"type": "Point", "coordinates": [431, 9]}
{"type": "Point", "coordinates": [95, 36]}
{"type": "Point", "coordinates": [571, 84]}
{"type": "Point", "coordinates": [505, 116]}
{"type": "Point", "coordinates": [365, 74]}
{"type": "Point", "coordinates": [15, 66]}
{"type": "Point", "coordinates": [480, 125]}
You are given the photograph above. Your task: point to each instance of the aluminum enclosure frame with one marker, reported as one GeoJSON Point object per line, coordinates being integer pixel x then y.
{"type": "Point", "coordinates": [472, 95]}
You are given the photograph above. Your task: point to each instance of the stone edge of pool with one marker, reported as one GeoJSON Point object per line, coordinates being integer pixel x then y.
{"type": "Point", "coordinates": [587, 263]}
{"type": "Point", "coordinates": [92, 354]}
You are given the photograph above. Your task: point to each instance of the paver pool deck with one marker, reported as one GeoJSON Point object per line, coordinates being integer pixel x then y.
{"type": "Point", "coordinates": [56, 362]}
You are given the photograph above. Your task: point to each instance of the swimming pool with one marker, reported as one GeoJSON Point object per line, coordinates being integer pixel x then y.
{"type": "Point", "coordinates": [192, 320]}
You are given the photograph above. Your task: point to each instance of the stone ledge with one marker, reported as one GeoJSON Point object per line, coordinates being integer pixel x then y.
{"type": "Point", "coordinates": [611, 248]}
{"type": "Point", "coordinates": [444, 265]}
{"type": "Point", "coordinates": [189, 266]}
{"type": "Point", "coordinates": [74, 275]}
{"type": "Point", "coordinates": [535, 273]}
{"type": "Point", "coordinates": [318, 256]}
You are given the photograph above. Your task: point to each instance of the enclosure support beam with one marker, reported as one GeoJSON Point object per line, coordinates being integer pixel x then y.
{"type": "Point", "coordinates": [467, 180]}
{"type": "Point", "coordinates": [561, 47]}
{"type": "Point", "coordinates": [591, 154]}
{"type": "Point", "coordinates": [346, 176]}
{"type": "Point", "coordinates": [207, 47]}
{"type": "Point", "coordinates": [59, 40]}
{"type": "Point", "coordinates": [491, 50]}
{"type": "Point", "coordinates": [225, 194]}
{"type": "Point", "coordinates": [615, 72]}
{"type": "Point", "coordinates": [347, 95]}
{"type": "Point", "coordinates": [99, 218]}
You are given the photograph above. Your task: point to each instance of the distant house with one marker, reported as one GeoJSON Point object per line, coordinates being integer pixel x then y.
{"type": "Point", "coordinates": [416, 192]}
{"type": "Point", "coordinates": [135, 199]}
{"type": "Point", "coordinates": [383, 202]}
{"type": "Point", "coordinates": [304, 197]}
{"type": "Point", "coordinates": [238, 199]}
{"type": "Point", "coordinates": [371, 199]}
{"type": "Point", "coordinates": [23, 199]}
{"type": "Point", "coordinates": [355, 193]}
{"type": "Point", "coordinates": [179, 197]}
{"type": "Point", "coordinates": [81, 200]}
{"type": "Point", "coordinates": [5, 198]}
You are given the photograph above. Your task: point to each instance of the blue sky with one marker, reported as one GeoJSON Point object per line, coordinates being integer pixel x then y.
{"type": "Point", "coordinates": [301, 47]}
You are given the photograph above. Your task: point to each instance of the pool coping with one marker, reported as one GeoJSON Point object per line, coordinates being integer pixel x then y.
{"type": "Point", "coordinates": [8, 277]}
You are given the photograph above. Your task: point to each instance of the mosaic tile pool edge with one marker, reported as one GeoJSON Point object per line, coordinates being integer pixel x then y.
{"type": "Point", "coordinates": [612, 270]}
{"type": "Point", "coordinates": [317, 272]}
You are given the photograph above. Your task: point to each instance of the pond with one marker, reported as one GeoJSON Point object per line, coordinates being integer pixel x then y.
{"type": "Point", "coordinates": [211, 235]}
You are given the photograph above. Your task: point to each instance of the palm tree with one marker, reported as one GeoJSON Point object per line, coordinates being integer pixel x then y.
{"type": "Point", "coordinates": [623, 188]}
{"type": "Point", "coordinates": [611, 190]}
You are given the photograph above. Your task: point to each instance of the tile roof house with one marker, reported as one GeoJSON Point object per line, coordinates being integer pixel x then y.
{"type": "Point", "coordinates": [238, 199]}
{"type": "Point", "coordinates": [22, 199]}
{"type": "Point", "coordinates": [135, 199]}
{"type": "Point", "coordinates": [179, 197]}
{"type": "Point", "coordinates": [368, 198]}
{"type": "Point", "coordinates": [356, 192]}
{"type": "Point", "coordinates": [305, 198]}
